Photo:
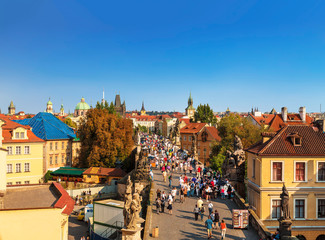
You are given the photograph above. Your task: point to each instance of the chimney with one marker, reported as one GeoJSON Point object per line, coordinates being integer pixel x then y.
{"type": "Point", "coordinates": [284, 112]}
{"type": "Point", "coordinates": [302, 113]}
{"type": "Point", "coordinates": [3, 174]}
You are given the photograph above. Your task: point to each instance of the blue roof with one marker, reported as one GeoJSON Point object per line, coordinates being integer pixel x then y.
{"type": "Point", "coordinates": [46, 126]}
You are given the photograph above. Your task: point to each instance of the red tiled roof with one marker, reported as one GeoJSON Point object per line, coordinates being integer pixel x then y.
{"type": "Point", "coordinates": [185, 120]}
{"type": "Point", "coordinates": [264, 119]}
{"type": "Point", "coordinates": [100, 171]}
{"type": "Point", "coordinates": [293, 119]}
{"type": "Point", "coordinates": [312, 143]}
{"type": "Point", "coordinates": [144, 118]}
{"type": "Point", "coordinates": [65, 201]}
{"type": "Point", "coordinates": [9, 126]}
{"type": "Point", "coordinates": [193, 128]}
{"type": "Point", "coordinates": [214, 133]}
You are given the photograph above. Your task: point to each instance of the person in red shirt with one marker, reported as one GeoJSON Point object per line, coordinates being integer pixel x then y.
{"type": "Point", "coordinates": [198, 172]}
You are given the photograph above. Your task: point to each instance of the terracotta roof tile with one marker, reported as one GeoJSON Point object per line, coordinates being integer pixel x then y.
{"type": "Point", "coordinates": [214, 133]}
{"type": "Point", "coordinates": [112, 172]}
{"type": "Point", "coordinates": [193, 128]}
{"type": "Point", "coordinates": [7, 131]}
{"type": "Point", "coordinates": [312, 143]}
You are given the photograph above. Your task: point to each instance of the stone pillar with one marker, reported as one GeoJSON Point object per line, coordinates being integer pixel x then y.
{"type": "Point", "coordinates": [133, 234]}
{"type": "Point", "coordinates": [285, 228]}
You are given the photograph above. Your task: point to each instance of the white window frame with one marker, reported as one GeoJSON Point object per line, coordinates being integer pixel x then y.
{"type": "Point", "coordinates": [318, 198]}
{"type": "Point", "coordinates": [18, 147]}
{"type": "Point", "coordinates": [9, 164]}
{"type": "Point", "coordinates": [25, 149]}
{"type": "Point", "coordinates": [28, 167]}
{"type": "Point", "coordinates": [51, 160]}
{"type": "Point", "coordinates": [22, 135]}
{"type": "Point", "coordinates": [9, 151]}
{"type": "Point", "coordinates": [271, 178]}
{"type": "Point", "coordinates": [317, 170]}
{"type": "Point", "coordinates": [16, 167]}
{"type": "Point", "coordinates": [272, 208]}
{"type": "Point", "coordinates": [306, 170]}
{"type": "Point", "coordinates": [17, 135]}
{"type": "Point", "coordinates": [294, 207]}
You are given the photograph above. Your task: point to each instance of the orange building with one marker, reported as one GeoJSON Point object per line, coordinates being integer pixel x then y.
{"type": "Point", "coordinates": [206, 138]}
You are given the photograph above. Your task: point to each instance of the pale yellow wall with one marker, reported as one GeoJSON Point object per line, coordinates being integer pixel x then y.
{"type": "Point", "coordinates": [66, 152]}
{"type": "Point", "coordinates": [260, 196]}
{"type": "Point", "coordinates": [49, 224]}
{"type": "Point", "coordinates": [35, 160]}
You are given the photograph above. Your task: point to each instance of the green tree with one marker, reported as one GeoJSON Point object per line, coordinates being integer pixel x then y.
{"type": "Point", "coordinates": [204, 114]}
{"type": "Point", "coordinates": [234, 124]}
{"type": "Point", "coordinates": [104, 137]}
{"type": "Point", "coordinates": [70, 123]}
{"type": "Point", "coordinates": [143, 128]}
{"type": "Point", "coordinates": [217, 161]}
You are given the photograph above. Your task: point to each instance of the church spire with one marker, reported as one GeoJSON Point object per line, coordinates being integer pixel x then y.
{"type": "Point", "coordinates": [103, 99]}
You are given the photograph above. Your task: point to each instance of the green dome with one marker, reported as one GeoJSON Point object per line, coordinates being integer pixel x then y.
{"type": "Point", "coordinates": [49, 102]}
{"type": "Point", "coordinates": [82, 105]}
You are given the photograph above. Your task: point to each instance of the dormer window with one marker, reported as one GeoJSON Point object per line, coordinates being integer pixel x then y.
{"type": "Point", "coordinates": [297, 141]}
{"type": "Point", "coordinates": [17, 135]}
{"type": "Point", "coordinates": [22, 135]}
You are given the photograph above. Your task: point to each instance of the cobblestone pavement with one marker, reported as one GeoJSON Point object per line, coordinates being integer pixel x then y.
{"type": "Point", "coordinates": [181, 224]}
{"type": "Point", "coordinates": [77, 228]}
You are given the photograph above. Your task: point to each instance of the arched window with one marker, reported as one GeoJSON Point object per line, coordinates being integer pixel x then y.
{"type": "Point", "coordinates": [321, 237]}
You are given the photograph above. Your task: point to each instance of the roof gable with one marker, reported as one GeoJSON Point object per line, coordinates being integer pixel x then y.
{"type": "Point", "coordinates": [313, 143]}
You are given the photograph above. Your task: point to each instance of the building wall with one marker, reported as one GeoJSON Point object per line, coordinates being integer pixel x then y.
{"type": "Point", "coordinates": [261, 192]}
{"type": "Point", "coordinates": [34, 158]}
{"type": "Point", "coordinates": [53, 149]}
{"type": "Point", "coordinates": [186, 141]}
{"type": "Point", "coordinates": [48, 224]}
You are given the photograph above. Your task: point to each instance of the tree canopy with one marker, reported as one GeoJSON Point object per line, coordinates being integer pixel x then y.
{"type": "Point", "coordinates": [234, 124]}
{"type": "Point", "coordinates": [104, 138]}
{"type": "Point", "coordinates": [110, 108]}
{"type": "Point", "coordinates": [70, 123]}
{"type": "Point", "coordinates": [229, 126]}
{"type": "Point", "coordinates": [204, 114]}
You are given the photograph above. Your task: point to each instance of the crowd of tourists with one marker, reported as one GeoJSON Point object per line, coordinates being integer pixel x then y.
{"type": "Point", "coordinates": [195, 181]}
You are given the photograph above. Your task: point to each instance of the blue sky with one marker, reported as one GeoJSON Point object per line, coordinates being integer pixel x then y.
{"type": "Point", "coordinates": [235, 54]}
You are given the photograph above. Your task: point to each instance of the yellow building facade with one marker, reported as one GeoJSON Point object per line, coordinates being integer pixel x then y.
{"type": "Point", "coordinates": [47, 223]}
{"type": "Point", "coordinates": [295, 156]}
{"type": "Point", "coordinates": [24, 161]}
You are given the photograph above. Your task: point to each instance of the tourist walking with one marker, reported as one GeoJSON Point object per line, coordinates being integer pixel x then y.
{"type": "Point", "coordinates": [162, 205]}
{"type": "Point", "coordinates": [210, 207]}
{"type": "Point", "coordinates": [170, 206]}
{"type": "Point", "coordinates": [216, 218]}
{"type": "Point", "coordinates": [209, 224]}
{"type": "Point", "coordinates": [223, 228]}
{"type": "Point", "coordinates": [165, 176]}
{"type": "Point", "coordinates": [170, 178]}
{"type": "Point", "coordinates": [158, 203]}
{"type": "Point", "coordinates": [196, 212]}
{"type": "Point", "coordinates": [202, 210]}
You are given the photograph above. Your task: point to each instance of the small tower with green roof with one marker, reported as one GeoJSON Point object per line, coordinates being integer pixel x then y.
{"type": "Point", "coordinates": [49, 106]}
{"type": "Point", "coordinates": [190, 110]}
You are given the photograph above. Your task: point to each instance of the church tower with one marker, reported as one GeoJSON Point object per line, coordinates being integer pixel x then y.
{"type": "Point", "coordinates": [190, 110]}
{"type": "Point", "coordinates": [11, 109]}
{"type": "Point", "coordinates": [143, 111]}
{"type": "Point", "coordinates": [49, 106]}
{"type": "Point", "coordinates": [62, 111]}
